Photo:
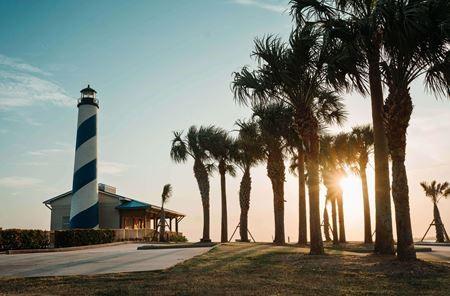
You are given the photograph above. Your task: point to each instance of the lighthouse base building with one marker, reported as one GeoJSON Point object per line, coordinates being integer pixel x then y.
{"type": "Point", "coordinates": [115, 212]}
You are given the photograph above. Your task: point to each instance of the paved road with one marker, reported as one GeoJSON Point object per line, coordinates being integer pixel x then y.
{"type": "Point", "coordinates": [439, 253]}
{"type": "Point", "coordinates": [120, 258]}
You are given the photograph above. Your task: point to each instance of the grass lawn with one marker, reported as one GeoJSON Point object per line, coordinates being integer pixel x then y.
{"type": "Point", "coordinates": [257, 269]}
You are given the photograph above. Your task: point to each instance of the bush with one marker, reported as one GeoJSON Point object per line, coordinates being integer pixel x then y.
{"type": "Point", "coordinates": [15, 239]}
{"type": "Point", "coordinates": [178, 238]}
{"type": "Point", "coordinates": [83, 237]}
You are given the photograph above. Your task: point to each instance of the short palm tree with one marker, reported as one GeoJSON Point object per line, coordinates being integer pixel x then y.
{"type": "Point", "coordinates": [292, 74]}
{"type": "Point", "coordinates": [359, 148]}
{"type": "Point", "coordinates": [194, 145]}
{"type": "Point", "coordinates": [353, 31]}
{"type": "Point", "coordinates": [165, 196]}
{"type": "Point", "coordinates": [435, 191]}
{"type": "Point", "coordinates": [415, 41]}
{"type": "Point", "coordinates": [275, 121]}
{"type": "Point", "coordinates": [223, 149]}
{"type": "Point", "coordinates": [249, 153]}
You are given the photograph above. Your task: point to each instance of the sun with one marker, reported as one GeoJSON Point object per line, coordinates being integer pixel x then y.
{"type": "Point", "coordinates": [351, 186]}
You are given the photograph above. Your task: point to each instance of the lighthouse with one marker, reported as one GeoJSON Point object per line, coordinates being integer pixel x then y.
{"type": "Point", "coordinates": [84, 202]}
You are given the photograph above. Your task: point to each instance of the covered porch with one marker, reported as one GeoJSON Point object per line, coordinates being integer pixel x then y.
{"type": "Point", "coordinates": [139, 215]}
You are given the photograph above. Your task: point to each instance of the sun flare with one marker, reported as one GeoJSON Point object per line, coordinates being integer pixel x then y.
{"type": "Point", "coordinates": [351, 185]}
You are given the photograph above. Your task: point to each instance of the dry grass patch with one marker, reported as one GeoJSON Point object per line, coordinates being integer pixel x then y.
{"type": "Point", "coordinates": [257, 269]}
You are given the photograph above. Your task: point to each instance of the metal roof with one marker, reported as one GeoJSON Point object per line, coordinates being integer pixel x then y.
{"type": "Point", "coordinates": [133, 205]}
{"type": "Point", "coordinates": [88, 89]}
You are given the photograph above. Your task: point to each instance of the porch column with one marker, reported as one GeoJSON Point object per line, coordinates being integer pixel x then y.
{"type": "Point", "coordinates": [170, 224]}
{"type": "Point", "coordinates": [176, 225]}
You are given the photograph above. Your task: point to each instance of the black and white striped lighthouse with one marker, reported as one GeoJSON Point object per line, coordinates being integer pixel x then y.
{"type": "Point", "coordinates": [84, 203]}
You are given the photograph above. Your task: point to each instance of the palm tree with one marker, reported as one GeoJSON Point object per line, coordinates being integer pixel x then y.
{"type": "Point", "coordinates": [327, 166]}
{"type": "Point", "coordinates": [340, 143]}
{"type": "Point", "coordinates": [193, 145]}
{"type": "Point", "coordinates": [293, 75]}
{"type": "Point", "coordinates": [416, 41]}
{"type": "Point", "coordinates": [275, 121]}
{"type": "Point", "coordinates": [358, 149]}
{"type": "Point", "coordinates": [223, 149]}
{"type": "Point", "coordinates": [326, 222]}
{"type": "Point", "coordinates": [249, 153]}
{"type": "Point", "coordinates": [435, 191]}
{"type": "Point", "coordinates": [332, 199]}
{"type": "Point", "coordinates": [353, 32]}
{"type": "Point", "coordinates": [297, 167]}
{"type": "Point", "coordinates": [332, 173]}
{"type": "Point", "coordinates": [165, 196]}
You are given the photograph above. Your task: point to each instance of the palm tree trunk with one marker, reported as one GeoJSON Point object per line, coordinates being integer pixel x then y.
{"type": "Point", "coordinates": [313, 190]}
{"type": "Point", "coordinates": [275, 171]}
{"type": "Point", "coordinates": [162, 226]}
{"type": "Point", "coordinates": [223, 191]}
{"type": "Point", "coordinates": [244, 201]}
{"type": "Point", "coordinates": [398, 109]}
{"type": "Point", "coordinates": [326, 224]}
{"type": "Point", "coordinates": [438, 224]}
{"type": "Point", "coordinates": [302, 231]}
{"type": "Point", "coordinates": [334, 219]}
{"type": "Point", "coordinates": [400, 193]}
{"type": "Point", "coordinates": [384, 243]}
{"type": "Point", "coordinates": [365, 193]}
{"type": "Point", "coordinates": [340, 205]}
{"type": "Point", "coordinates": [201, 175]}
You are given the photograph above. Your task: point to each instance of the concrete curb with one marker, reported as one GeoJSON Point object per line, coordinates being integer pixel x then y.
{"type": "Point", "coordinates": [432, 244]}
{"type": "Point", "coordinates": [68, 249]}
{"type": "Point", "coordinates": [177, 246]}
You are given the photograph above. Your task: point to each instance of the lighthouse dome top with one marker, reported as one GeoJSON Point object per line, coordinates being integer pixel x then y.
{"type": "Point", "coordinates": [88, 92]}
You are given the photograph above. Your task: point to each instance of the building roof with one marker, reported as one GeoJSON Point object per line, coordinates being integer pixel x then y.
{"type": "Point", "coordinates": [127, 203]}
{"type": "Point", "coordinates": [133, 205]}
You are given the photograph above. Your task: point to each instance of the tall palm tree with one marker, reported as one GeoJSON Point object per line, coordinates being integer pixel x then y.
{"type": "Point", "coordinates": [358, 149]}
{"type": "Point", "coordinates": [275, 121]}
{"type": "Point", "coordinates": [249, 153]}
{"type": "Point", "coordinates": [416, 41]}
{"type": "Point", "coordinates": [292, 74]}
{"type": "Point", "coordinates": [165, 196]}
{"type": "Point", "coordinates": [193, 145]}
{"type": "Point", "coordinates": [435, 191]}
{"type": "Point", "coordinates": [353, 31]}
{"type": "Point", "coordinates": [223, 149]}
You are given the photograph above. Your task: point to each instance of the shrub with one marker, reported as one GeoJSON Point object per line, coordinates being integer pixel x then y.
{"type": "Point", "coordinates": [83, 237]}
{"type": "Point", "coordinates": [15, 239]}
{"type": "Point", "coordinates": [179, 238]}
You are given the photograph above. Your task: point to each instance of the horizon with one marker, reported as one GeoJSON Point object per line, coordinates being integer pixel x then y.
{"type": "Point", "coordinates": [159, 69]}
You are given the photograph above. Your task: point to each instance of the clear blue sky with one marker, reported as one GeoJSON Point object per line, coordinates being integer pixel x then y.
{"type": "Point", "coordinates": [158, 66]}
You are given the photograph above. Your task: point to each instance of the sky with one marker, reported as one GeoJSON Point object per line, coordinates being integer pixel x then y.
{"type": "Point", "coordinates": [159, 67]}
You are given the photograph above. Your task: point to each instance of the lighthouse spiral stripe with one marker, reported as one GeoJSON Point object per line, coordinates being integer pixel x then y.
{"type": "Point", "coordinates": [84, 204]}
